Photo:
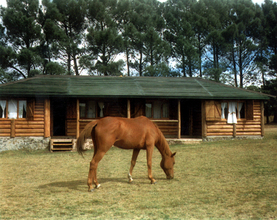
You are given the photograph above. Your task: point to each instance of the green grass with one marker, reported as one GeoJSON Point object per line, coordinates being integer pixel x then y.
{"type": "Point", "coordinates": [213, 180]}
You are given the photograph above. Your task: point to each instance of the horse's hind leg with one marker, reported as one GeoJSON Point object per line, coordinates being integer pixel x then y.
{"type": "Point", "coordinates": [92, 178]}
{"type": "Point", "coordinates": [133, 163]}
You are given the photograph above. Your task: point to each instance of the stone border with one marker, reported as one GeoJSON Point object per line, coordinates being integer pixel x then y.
{"type": "Point", "coordinates": [40, 143]}
{"type": "Point", "coordinates": [17, 143]}
{"type": "Point", "coordinates": [222, 138]}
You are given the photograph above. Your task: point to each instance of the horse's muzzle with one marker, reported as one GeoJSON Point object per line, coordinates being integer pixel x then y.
{"type": "Point", "coordinates": [170, 177]}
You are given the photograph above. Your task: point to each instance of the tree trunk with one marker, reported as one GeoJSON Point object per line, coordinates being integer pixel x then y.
{"type": "Point", "coordinates": [234, 67]}
{"type": "Point", "coordinates": [68, 62]}
{"type": "Point", "coordinates": [140, 63]}
{"type": "Point", "coordinates": [127, 61]}
{"type": "Point", "coordinates": [200, 56]}
{"type": "Point", "coordinates": [75, 63]}
{"type": "Point", "coordinates": [240, 66]}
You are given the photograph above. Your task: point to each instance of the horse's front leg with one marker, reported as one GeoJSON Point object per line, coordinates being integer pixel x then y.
{"type": "Point", "coordinates": [149, 153]}
{"type": "Point", "coordinates": [133, 163]}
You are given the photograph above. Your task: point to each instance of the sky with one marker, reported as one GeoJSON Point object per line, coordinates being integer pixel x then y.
{"type": "Point", "coordinates": [4, 3]}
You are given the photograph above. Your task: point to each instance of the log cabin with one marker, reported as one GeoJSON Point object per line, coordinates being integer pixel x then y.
{"type": "Point", "coordinates": [59, 107]}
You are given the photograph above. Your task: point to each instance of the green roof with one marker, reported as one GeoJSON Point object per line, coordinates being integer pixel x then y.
{"type": "Point", "coordinates": [125, 87]}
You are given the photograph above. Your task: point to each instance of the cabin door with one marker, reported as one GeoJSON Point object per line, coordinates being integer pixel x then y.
{"type": "Point", "coordinates": [191, 118]}
{"type": "Point", "coordinates": [185, 118]}
{"type": "Point", "coordinates": [59, 116]}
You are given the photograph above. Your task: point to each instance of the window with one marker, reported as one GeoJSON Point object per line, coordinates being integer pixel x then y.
{"type": "Point", "coordinates": [13, 109]}
{"type": "Point", "coordinates": [91, 109]}
{"type": "Point", "coordinates": [148, 110]}
{"type": "Point", "coordinates": [232, 111]}
{"type": "Point", "coordinates": [157, 109]}
{"type": "Point", "coordinates": [229, 110]}
{"type": "Point", "coordinates": [3, 108]}
{"type": "Point", "coordinates": [241, 110]}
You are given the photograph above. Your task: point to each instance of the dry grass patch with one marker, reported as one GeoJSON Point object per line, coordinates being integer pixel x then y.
{"type": "Point", "coordinates": [226, 179]}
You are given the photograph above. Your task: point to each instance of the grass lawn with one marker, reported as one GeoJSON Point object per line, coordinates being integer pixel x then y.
{"type": "Point", "coordinates": [213, 180]}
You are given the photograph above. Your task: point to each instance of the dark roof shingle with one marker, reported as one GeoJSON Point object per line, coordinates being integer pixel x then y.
{"type": "Point", "coordinates": [123, 87]}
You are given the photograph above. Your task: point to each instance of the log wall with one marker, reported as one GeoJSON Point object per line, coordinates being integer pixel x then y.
{"type": "Point", "coordinates": [24, 127]}
{"type": "Point", "coordinates": [168, 128]}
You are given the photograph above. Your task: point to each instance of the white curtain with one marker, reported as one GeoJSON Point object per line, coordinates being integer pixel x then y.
{"type": "Point", "coordinates": [91, 109]}
{"type": "Point", "coordinates": [22, 109]}
{"type": "Point", "coordinates": [240, 107]}
{"type": "Point", "coordinates": [148, 110]}
{"type": "Point", "coordinates": [165, 110]}
{"type": "Point", "coordinates": [3, 106]}
{"type": "Point", "coordinates": [232, 118]}
{"type": "Point", "coordinates": [157, 109]}
{"type": "Point", "coordinates": [101, 106]}
{"type": "Point", "coordinates": [12, 109]}
{"type": "Point", "coordinates": [82, 107]}
{"type": "Point", "coordinates": [223, 106]}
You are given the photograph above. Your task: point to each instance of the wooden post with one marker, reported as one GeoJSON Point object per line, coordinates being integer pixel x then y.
{"type": "Point", "coordinates": [179, 119]}
{"type": "Point", "coordinates": [47, 118]}
{"type": "Point", "coordinates": [78, 119]}
{"type": "Point", "coordinates": [190, 121]}
{"type": "Point", "coordinates": [262, 118]}
{"type": "Point", "coordinates": [12, 128]}
{"type": "Point", "coordinates": [203, 119]}
{"type": "Point", "coordinates": [128, 108]}
{"type": "Point", "coordinates": [234, 130]}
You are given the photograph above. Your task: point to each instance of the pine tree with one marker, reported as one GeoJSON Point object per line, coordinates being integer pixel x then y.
{"type": "Point", "coordinates": [23, 34]}
{"type": "Point", "coordinates": [71, 20]}
{"type": "Point", "coordinates": [103, 38]}
{"type": "Point", "coordinates": [181, 36]}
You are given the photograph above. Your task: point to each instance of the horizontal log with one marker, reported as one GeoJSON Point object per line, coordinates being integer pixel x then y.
{"type": "Point", "coordinates": [30, 135]}
{"type": "Point", "coordinates": [248, 130]}
{"type": "Point", "coordinates": [31, 131]}
{"type": "Point", "coordinates": [5, 121]}
{"type": "Point", "coordinates": [87, 120]}
{"type": "Point", "coordinates": [168, 128]}
{"type": "Point", "coordinates": [29, 126]}
{"type": "Point", "coordinates": [219, 134]}
{"type": "Point", "coordinates": [25, 122]}
{"type": "Point", "coordinates": [166, 121]}
{"type": "Point", "coordinates": [249, 133]}
{"type": "Point", "coordinates": [223, 122]}
{"type": "Point", "coordinates": [5, 130]}
{"type": "Point", "coordinates": [5, 134]}
{"type": "Point", "coordinates": [219, 131]}
{"type": "Point", "coordinates": [221, 126]}
{"type": "Point", "coordinates": [5, 126]}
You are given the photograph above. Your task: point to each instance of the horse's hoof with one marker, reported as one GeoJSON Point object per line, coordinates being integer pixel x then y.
{"type": "Point", "coordinates": [98, 186]}
{"type": "Point", "coordinates": [91, 190]}
{"type": "Point", "coordinates": [154, 183]}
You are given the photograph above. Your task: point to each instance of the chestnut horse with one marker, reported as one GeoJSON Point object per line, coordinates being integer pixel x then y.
{"type": "Point", "coordinates": [136, 133]}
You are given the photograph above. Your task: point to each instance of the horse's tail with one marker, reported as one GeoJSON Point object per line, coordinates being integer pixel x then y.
{"type": "Point", "coordinates": [86, 133]}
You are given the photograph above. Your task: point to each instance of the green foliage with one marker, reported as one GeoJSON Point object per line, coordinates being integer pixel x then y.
{"type": "Point", "coordinates": [54, 68]}
{"type": "Point", "coordinates": [160, 70]}
{"type": "Point", "coordinates": [228, 41]}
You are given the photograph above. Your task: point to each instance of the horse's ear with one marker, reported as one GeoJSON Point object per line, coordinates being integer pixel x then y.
{"type": "Point", "coordinates": [173, 154]}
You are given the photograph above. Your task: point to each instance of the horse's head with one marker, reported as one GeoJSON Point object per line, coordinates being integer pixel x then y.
{"type": "Point", "coordinates": [167, 164]}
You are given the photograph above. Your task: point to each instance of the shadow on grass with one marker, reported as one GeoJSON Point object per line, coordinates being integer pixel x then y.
{"type": "Point", "coordinates": [78, 185]}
